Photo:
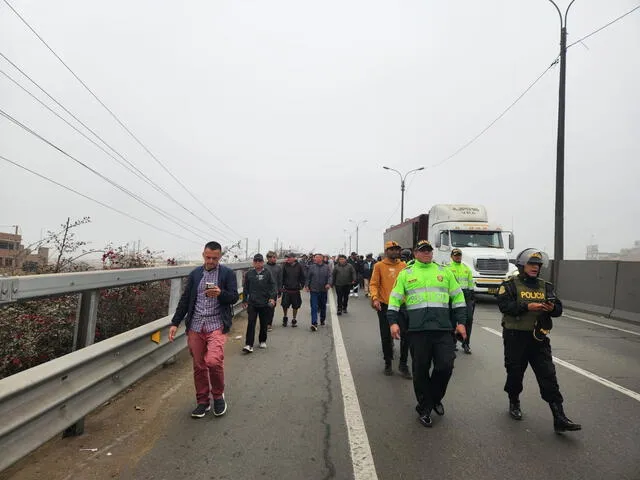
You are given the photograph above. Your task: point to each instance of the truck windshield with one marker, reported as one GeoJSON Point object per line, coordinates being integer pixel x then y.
{"type": "Point", "coordinates": [476, 239]}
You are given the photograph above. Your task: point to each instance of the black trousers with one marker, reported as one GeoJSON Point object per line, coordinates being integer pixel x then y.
{"type": "Point", "coordinates": [385, 333]}
{"type": "Point", "coordinates": [427, 347]}
{"type": "Point", "coordinates": [471, 308]}
{"type": "Point", "coordinates": [265, 314]}
{"type": "Point", "coordinates": [342, 294]}
{"type": "Point", "coordinates": [403, 322]}
{"type": "Point", "coordinates": [521, 350]}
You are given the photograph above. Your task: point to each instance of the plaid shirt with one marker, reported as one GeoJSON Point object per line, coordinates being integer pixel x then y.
{"type": "Point", "coordinates": [206, 317]}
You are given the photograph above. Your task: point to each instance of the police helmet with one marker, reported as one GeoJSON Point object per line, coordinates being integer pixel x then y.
{"type": "Point", "coordinates": [532, 255]}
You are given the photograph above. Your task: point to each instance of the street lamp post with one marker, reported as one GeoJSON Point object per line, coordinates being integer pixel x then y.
{"type": "Point", "coordinates": [402, 187]}
{"type": "Point", "coordinates": [357, 232]}
{"type": "Point", "coordinates": [558, 242]}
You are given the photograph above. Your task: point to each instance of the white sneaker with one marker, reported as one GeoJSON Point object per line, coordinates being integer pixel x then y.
{"type": "Point", "coordinates": [247, 349]}
{"type": "Point", "coordinates": [263, 344]}
{"type": "Point", "coordinates": [355, 295]}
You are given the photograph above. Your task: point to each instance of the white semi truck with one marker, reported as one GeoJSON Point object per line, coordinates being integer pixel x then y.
{"type": "Point", "coordinates": [465, 227]}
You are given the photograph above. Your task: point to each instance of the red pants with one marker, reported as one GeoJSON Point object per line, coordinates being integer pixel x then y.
{"type": "Point", "coordinates": [207, 350]}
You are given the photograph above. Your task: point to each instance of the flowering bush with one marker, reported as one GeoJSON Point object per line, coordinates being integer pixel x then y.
{"type": "Point", "coordinates": [36, 331]}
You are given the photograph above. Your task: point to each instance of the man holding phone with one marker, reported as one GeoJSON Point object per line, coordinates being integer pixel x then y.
{"type": "Point", "coordinates": [206, 306]}
{"type": "Point", "coordinates": [527, 303]}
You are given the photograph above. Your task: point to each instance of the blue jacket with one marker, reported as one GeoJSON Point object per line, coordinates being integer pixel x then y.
{"type": "Point", "coordinates": [228, 297]}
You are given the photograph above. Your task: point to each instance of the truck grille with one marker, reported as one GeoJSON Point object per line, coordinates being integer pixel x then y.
{"type": "Point", "coordinates": [492, 265]}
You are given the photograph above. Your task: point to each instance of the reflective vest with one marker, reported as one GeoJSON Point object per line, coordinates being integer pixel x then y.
{"type": "Point", "coordinates": [463, 275]}
{"type": "Point", "coordinates": [526, 294]}
{"type": "Point", "coordinates": [425, 289]}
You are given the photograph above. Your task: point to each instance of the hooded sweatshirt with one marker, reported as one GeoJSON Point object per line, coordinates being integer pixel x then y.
{"type": "Point", "coordinates": [383, 278]}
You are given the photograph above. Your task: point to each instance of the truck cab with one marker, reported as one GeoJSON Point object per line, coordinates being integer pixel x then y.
{"type": "Point", "coordinates": [483, 244]}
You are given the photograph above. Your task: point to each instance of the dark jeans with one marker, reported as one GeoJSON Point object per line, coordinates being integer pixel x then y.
{"type": "Point", "coordinates": [403, 321]}
{"type": "Point", "coordinates": [265, 314]}
{"type": "Point", "coordinates": [427, 347]}
{"type": "Point", "coordinates": [385, 334]}
{"type": "Point", "coordinates": [521, 350]}
{"type": "Point", "coordinates": [342, 294]}
{"type": "Point", "coordinates": [318, 302]}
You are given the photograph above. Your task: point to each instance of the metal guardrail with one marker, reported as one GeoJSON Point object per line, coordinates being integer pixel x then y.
{"type": "Point", "coordinates": [39, 403]}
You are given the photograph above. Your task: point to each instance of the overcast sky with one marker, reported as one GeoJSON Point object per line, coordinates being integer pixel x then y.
{"type": "Point", "coordinates": [278, 115]}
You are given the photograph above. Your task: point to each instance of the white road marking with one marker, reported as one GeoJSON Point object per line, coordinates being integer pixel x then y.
{"type": "Point", "coordinates": [586, 373]}
{"type": "Point", "coordinates": [361, 458]}
{"type": "Point", "coordinates": [601, 324]}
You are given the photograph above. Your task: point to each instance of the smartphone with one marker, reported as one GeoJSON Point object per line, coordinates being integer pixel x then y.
{"type": "Point", "coordinates": [209, 285]}
{"type": "Point", "coordinates": [551, 300]}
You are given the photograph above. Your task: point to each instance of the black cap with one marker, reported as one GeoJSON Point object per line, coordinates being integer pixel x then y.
{"type": "Point", "coordinates": [424, 245]}
{"type": "Point", "coordinates": [258, 257]}
{"type": "Point", "coordinates": [290, 255]}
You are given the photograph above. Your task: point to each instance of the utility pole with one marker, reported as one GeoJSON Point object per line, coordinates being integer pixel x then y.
{"type": "Point", "coordinates": [357, 234]}
{"type": "Point", "coordinates": [558, 241]}
{"type": "Point", "coordinates": [246, 248]}
{"type": "Point", "coordinates": [258, 245]}
{"type": "Point", "coordinates": [402, 186]}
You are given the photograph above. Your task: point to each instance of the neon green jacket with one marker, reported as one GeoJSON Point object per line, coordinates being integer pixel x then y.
{"type": "Point", "coordinates": [463, 275]}
{"type": "Point", "coordinates": [425, 289]}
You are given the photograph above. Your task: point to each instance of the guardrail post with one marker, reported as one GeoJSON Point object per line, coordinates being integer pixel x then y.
{"type": "Point", "coordinates": [174, 298]}
{"type": "Point", "coordinates": [85, 333]}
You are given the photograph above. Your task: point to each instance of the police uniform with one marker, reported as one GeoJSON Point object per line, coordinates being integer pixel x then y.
{"type": "Point", "coordinates": [525, 338]}
{"type": "Point", "coordinates": [464, 276]}
{"type": "Point", "coordinates": [425, 289]}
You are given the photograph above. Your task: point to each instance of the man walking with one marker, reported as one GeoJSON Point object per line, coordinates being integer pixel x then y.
{"type": "Point", "coordinates": [276, 273]}
{"type": "Point", "coordinates": [383, 278]}
{"type": "Point", "coordinates": [293, 278]}
{"type": "Point", "coordinates": [464, 276]}
{"type": "Point", "coordinates": [426, 287]}
{"type": "Point", "coordinates": [527, 304]}
{"type": "Point", "coordinates": [367, 270]}
{"type": "Point", "coordinates": [344, 277]}
{"type": "Point", "coordinates": [354, 260]}
{"type": "Point", "coordinates": [260, 295]}
{"type": "Point", "coordinates": [318, 282]}
{"type": "Point", "coordinates": [206, 306]}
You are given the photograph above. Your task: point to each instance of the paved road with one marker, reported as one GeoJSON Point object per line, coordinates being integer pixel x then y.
{"type": "Point", "coordinates": [286, 417]}
{"type": "Point", "coordinates": [288, 404]}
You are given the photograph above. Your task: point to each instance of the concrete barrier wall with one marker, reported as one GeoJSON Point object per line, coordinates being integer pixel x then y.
{"type": "Point", "coordinates": [588, 285]}
{"type": "Point", "coordinates": [627, 298]}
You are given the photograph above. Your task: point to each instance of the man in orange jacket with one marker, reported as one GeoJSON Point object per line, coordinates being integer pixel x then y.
{"type": "Point", "coordinates": [382, 280]}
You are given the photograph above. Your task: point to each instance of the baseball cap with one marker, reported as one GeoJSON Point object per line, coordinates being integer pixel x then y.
{"type": "Point", "coordinates": [258, 257]}
{"type": "Point", "coordinates": [424, 245]}
{"type": "Point", "coordinates": [290, 255]}
{"type": "Point", "coordinates": [391, 244]}
{"type": "Point", "coordinates": [456, 251]}
{"type": "Point", "coordinates": [536, 258]}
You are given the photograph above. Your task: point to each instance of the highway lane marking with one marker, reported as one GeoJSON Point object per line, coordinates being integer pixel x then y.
{"type": "Point", "coordinates": [601, 324]}
{"type": "Point", "coordinates": [361, 457]}
{"type": "Point", "coordinates": [586, 373]}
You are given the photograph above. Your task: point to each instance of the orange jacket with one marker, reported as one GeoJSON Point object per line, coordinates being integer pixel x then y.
{"type": "Point", "coordinates": [383, 279]}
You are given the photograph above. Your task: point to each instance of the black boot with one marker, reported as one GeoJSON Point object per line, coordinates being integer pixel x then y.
{"type": "Point", "coordinates": [560, 421]}
{"type": "Point", "coordinates": [514, 409]}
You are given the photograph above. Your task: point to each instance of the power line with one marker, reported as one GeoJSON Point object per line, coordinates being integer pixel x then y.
{"type": "Point", "coordinates": [605, 26]}
{"type": "Point", "coordinates": [95, 201]}
{"type": "Point", "coordinates": [504, 112]}
{"type": "Point", "coordinates": [115, 117]}
{"type": "Point", "coordinates": [136, 171]}
{"type": "Point", "coordinates": [95, 172]}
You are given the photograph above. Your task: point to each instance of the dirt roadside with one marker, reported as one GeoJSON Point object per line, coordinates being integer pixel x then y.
{"type": "Point", "coordinates": [123, 429]}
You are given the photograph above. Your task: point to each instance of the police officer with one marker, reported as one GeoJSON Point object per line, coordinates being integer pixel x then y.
{"type": "Point", "coordinates": [527, 304]}
{"type": "Point", "coordinates": [426, 287]}
{"type": "Point", "coordinates": [464, 276]}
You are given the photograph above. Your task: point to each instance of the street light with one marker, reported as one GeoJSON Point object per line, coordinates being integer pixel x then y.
{"type": "Point", "coordinates": [402, 179]}
{"type": "Point", "coordinates": [357, 231]}
{"type": "Point", "coordinates": [558, 242]}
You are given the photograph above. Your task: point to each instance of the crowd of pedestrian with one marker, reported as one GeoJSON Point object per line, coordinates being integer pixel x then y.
{"type": "Point", "coordinates": [427, 306]}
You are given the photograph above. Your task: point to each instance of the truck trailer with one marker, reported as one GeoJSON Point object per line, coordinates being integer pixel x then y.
{"type": "Point", "coordinates": [465, 227]}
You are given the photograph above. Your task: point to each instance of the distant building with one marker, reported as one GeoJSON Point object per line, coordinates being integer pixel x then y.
{"type": "Point", "coordinates": [14, 256]}
{"type": "Point", "coordinates": [626, 254]}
